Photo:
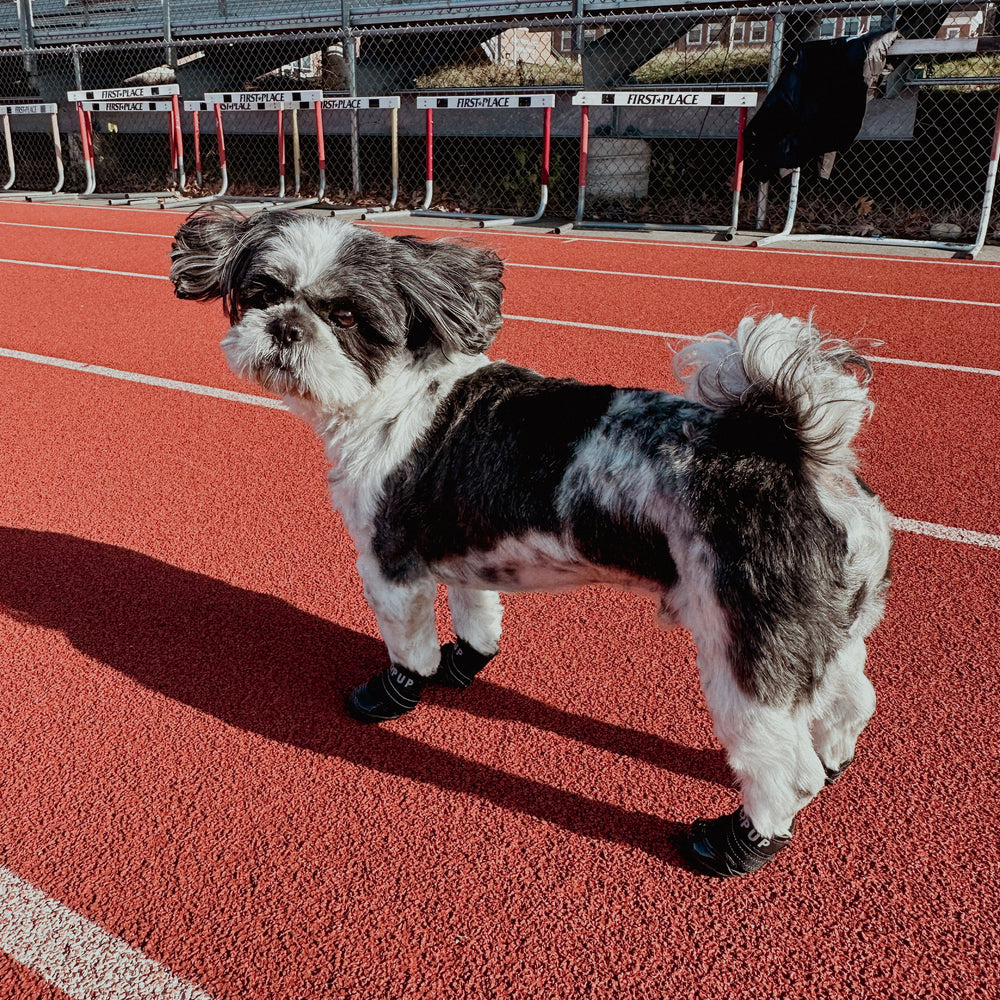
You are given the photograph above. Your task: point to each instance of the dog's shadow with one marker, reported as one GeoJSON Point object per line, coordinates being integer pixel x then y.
{"type": "Point", "coordinates": [261, 664]}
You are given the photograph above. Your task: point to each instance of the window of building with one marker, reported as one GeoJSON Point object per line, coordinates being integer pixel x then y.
{"type": "Point", "coordinates": [758, 31]}
{"type": "Point", "coordinates": [953, 33]}
{"type": "Point", "coordinates": [852, 26]}
{"type": "Point", "coordinates": [739, 31]}
{"type": "Point", "coordinates": [828, 27]}
{"type": "Point", "coordinates": [694, 36]}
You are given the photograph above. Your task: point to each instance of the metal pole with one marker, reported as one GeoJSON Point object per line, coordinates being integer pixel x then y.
{"type": "Point", "coordinates": [394, 130]}
{"type": "Point", "coordinates": [584, 150]}
{"type": "Point", "coordinates": [991, 180]}
{"type": "Point", "coordinates": [171, 58]}
{"type": "Point", "coordinates": [196, 129]}
{"type": "Point", "coordinates": [429, 183]}
{"type": "Point", "coordinates": [10, 152]}
{"type": "Point", "coordinates": [738, 173]}
{"type": "Point", "coordinates": [57, 145]}
{"type": "Point", "coordinates": [777, 43]}
{"type": "Point", "coordinates": [77, 68]}
{"type": "Point", "coordinates": [178, 133]}
{"type": "Point", "coordinates": [296, 152]}
{"type": "Point", "coordinates": [220, 139]}
{"type": "Point", "coordinates": [320, 151]}
{"type": "Point", "coordinates": [281, 153]}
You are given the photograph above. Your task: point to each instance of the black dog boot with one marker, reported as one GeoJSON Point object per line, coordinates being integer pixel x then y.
{"type": "Point", "coordinates": [460, 663]}
{"type": "Point", "coordinates": [730, 845]}
{"type": "Point", "coordinates": [833, 773]}
{"type": "Point", "coordinates": [388, 695]}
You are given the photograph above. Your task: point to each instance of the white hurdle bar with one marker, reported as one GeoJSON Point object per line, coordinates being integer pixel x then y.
{"type": "Point", "coordinates": [254, 100]}
{"type": "Point", "coordinates": [129, 100]}
{"type": "Point", "coordinates": [52, 110]}
{"type": "Point", "coordinates": [334, 102]}
{"type": "Point", "coordinates": [664, 99]}
{"type": "Point", "coordinates": [489, 102]}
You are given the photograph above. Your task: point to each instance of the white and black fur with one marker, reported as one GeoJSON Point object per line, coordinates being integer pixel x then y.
{"type": "Point", "coordinates": [736, 506]}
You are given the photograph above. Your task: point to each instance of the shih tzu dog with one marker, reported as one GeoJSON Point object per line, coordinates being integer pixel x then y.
{"type": "Point", "coordinates": [736, 506]}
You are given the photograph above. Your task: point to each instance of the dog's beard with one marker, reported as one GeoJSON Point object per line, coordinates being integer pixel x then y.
{"type": "Point", "coordinates": [314, 369]}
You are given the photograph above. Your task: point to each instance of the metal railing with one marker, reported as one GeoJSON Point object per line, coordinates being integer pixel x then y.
{"type": "Point", "coordinates": [917, 169]}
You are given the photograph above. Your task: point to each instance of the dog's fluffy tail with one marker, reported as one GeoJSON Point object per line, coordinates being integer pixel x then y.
{"type": "Point", "coordinates": [782, 366]}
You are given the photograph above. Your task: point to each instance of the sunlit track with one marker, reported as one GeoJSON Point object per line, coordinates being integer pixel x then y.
{"type": "Point", "coordinates": [757, 284]}
{"type": "Point", "coordinates": [602, 241]}
{"type": "Point", "coordinates": [606, 274]}
{"type": "Point", "coordinates": [187, 812]}
{"type": "Point", "coordinates": [946, 532]}
{"type": "Point", "coordinates": [606, 327]}
{"type": "Point", "coordinates": [689, 337]}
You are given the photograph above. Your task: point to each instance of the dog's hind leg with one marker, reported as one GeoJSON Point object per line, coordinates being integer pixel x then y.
{"type": "Point", "coordinates": [405, 616]}
{"type": "Point", "coordinates": [841, 706]}
{"type": "Point", "coordinates": [475, 617]}
{"type": "Point", "coordinates": [770, 750]}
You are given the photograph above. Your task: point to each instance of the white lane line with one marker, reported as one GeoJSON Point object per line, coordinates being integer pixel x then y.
{"type": "Point", "coordinates": [76, 955]}
{"type": "Point", "coordinates": [602, 273]}
{"type": "Point", "coordinates": [81, 229]}
{"type": "Point", "coordinates": [89, 270]}
{"type": "Point", "coordinates": [947, 533]}
{"type": "Point", "coordinates": [756, 284]}
{"type": "Point", "coordinates": [163, 383]}
{"type": "Point", "coordinates": [690, 336]}
{"type": "Point", "coordinates": [917, 527]}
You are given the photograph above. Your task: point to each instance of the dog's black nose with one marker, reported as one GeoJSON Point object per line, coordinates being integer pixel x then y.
{"type": "Point", "coordinates": [285, 331]}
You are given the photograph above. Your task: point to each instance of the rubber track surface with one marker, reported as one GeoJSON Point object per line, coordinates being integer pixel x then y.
{"type": "Point", "coordinates": [181, 615]}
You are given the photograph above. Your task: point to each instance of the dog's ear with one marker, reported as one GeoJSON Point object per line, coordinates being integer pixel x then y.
{"type": "Point", "coordinates": [452, 292]}
{"type": "Point", "coordinates": [212, 250]}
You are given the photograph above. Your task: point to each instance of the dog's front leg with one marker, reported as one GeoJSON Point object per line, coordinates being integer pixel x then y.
{"type": "Point", "coordinates": [475, 617]}
{"type": "Point", "coordinates": [405, 616]}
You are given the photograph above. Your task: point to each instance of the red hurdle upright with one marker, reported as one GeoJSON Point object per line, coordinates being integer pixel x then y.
{"type": "Point", "coordinates": [662, 99]}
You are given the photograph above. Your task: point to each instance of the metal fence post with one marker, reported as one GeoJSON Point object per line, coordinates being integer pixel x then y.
{"type": "Point", "coordinates": [777, 43]}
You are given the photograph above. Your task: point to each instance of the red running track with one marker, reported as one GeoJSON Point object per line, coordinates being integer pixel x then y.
{"type": "Point", "coordinates": [181, 615]}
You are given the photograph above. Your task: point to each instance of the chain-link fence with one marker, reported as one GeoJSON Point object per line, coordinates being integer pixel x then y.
{"type": "Point", "coordinates": [917, 168]}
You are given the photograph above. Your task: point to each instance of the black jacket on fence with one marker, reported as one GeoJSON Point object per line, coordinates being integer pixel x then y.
{"type": "Point", "coordinates": [816, 105]}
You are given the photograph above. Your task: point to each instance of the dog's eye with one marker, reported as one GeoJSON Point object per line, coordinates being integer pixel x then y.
{"type": "Point", "coordinates": [264, 295]}
{"type": "Point", "coordinates": [344, 317]}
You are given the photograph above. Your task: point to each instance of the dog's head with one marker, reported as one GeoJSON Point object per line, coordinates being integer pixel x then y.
{"type": "Point", "coordinates": [320, 310]}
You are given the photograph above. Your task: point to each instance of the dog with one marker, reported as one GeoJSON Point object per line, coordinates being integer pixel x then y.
{"type": "Point", "coordinates": [736, 506]}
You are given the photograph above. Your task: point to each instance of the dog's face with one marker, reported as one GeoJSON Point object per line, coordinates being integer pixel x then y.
{"type": "Point", "coordinates": [321, 310]}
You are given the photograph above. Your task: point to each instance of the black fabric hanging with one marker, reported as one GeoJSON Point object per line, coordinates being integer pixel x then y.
{"type": "Point", "coordinates": [816, 105]}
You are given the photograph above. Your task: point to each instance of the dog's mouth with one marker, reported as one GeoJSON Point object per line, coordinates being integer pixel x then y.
{"type": "Point", "coordinates": [278, 374]}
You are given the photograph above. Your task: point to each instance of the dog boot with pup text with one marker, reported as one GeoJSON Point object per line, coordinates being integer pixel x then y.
{"type": "Point", "coordinates": [460, 663]}
{"type": "Point", "coordinates": [388, 695]}
{"type": "Point", "coordinates": [730, 845]}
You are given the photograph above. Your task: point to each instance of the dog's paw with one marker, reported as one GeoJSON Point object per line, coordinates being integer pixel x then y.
{"type": "Point", "coordinates": [388, 695]}
{"type": "Point", "coordinates": [730, 846]}
{"type": "Point", "coordinates": [460, 663]}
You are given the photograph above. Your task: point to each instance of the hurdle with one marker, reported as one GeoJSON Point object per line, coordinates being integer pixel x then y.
{"type": "Point", "coordinates": [355, 105]}
{"type": "Point", "coordinates": [962, 251]}
{"type": "Point", "coordinates": [129, 100]}
{"type": "Point", "coordinates": [52, 110]}
{"type": "Point", "coordinates": [740, 100]}
{"type": "Point", "coordinates": [257, 101]}
{"type": "Point", "coordinates": [495, 102]}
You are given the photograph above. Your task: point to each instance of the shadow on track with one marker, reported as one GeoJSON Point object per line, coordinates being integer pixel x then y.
{"type": "Point", "coordinates": [261, 664]}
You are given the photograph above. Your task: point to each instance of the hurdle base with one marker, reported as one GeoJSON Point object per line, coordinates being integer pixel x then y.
{"type": "Point", "coordinates": [962, 251]}
{"type": "Point", "coordinates": [724, 232]}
